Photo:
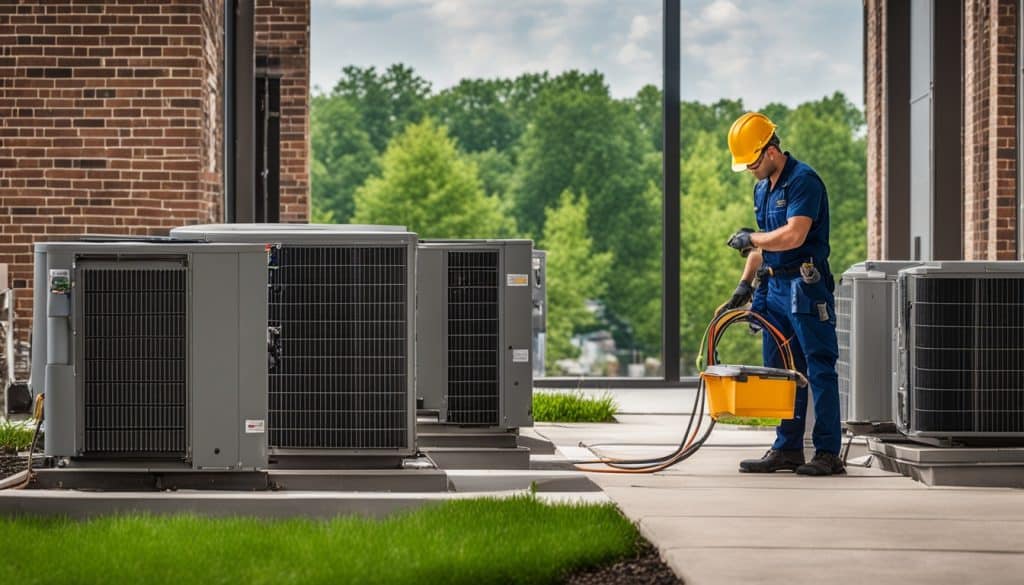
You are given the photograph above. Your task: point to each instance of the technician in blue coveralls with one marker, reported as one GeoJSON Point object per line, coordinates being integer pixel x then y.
{"type": "Point", "coordinates": [789, 254]}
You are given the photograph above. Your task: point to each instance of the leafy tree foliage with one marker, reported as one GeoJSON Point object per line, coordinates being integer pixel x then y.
{"type": "Point", "coordinates": [575, 274]}
{"type": "Point", "coordinates": [428, 186]}
{"type": "Point", "coordinates": [559, 159]}
{"type": "Point", "coordinates": [343, 156]}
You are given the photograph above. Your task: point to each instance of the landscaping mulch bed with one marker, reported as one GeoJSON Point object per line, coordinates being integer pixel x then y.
{"type": "Point", "coordinates": [11, 464]}
{"type": "Point", "coordinates": [645, 568]}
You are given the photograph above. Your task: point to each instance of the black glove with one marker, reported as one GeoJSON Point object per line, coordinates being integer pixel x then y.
{"type": "Point", "coordinates": [741, 241]}
{"type": "Point", "coordinates": [741, 296]}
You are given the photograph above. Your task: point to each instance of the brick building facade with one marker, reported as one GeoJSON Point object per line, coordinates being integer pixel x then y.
{"type": "Point", "coordinates": [984, 129]}
{"type": "Point", "coordinates": [111, 119]}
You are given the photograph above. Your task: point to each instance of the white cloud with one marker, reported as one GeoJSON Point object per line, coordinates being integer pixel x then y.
{"type": "Point", "coordinates": [631, 53]}
{"type": "Point", "coordinates": [792, 52]}
{"type": "Point", "coordinates": [722, 13]}
{"type": "Point", "coordinates": [640, 28]}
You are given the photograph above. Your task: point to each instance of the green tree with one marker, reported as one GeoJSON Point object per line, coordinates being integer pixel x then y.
{"type": "Point", "coordinates": [479, 114]}
{"type": "Point", "coordinates": [714, 204]}
{"type": "Point", "coordinates": [495, 168]}
{"type": "Point", "coordinates": [828, 135]}
{"type": "Point", "coordinates": [385, 102]}
{"type": "Point", "coordinates": [575, 273]}
{"type": "Point", "coordinates": [342, 155]}
{"type": "Point", "coordinates": [581, 139]}
{"type": "Point", "coordinates": [426, 185]}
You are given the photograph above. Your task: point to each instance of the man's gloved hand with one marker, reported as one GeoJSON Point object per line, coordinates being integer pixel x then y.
{"type": "Point", "coordinates": [740, 297]}
{"type": "Point", "coordinates": [741, 241]}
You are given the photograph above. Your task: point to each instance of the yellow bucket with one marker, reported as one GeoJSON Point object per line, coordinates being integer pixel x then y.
{"type": "Point", "coordinates": [750, 391]}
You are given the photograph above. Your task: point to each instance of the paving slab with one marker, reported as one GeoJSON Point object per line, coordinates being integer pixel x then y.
{"type": "Point", "coordinates": [714, 525]}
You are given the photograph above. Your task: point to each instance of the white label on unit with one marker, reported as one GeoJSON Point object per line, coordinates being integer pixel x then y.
{"type": "Point", "coordinates": [255, 426]}
{"type": "Point", "coordinates": [520, 356]}
{"type": "Point", "coordinates": [518, 279]}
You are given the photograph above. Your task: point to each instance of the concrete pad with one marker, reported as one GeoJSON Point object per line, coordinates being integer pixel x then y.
{"type": "Point", "coordinates": [780, 566]}
{"type": "Point", "coordinates": [483, 480]}
{"type": "Point", "coordinates": [360, 480]}
{"type": "Point", "coordinates": [952, 466]}
{"type": "Point", "coordinates": [813, 533]}
{"type": "Point", "coordinates": [714, 525]}
{"type": "Point", "coordinates": [642, 502]}
{"type": "Point", "coordinates": [479, 457]}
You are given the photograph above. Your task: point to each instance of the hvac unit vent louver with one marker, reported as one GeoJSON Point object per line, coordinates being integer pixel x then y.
{"type": "Point", "coordinates": [340, 315]}
{"type": "Point", "coordinates": [153, 351]}
{"type": "Point", "coordinates": [474, 330]}
{"type": "Point", "coordinates": [961, 338]}
{"type": "Point", "coordinates": [865, 326]}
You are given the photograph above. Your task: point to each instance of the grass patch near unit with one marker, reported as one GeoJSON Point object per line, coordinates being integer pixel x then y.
{"type": "Point", "coordinates": [15, 436]}
{"type": "Point", "coordinates": [748, 421]}
{"type": "Point", "coordinates": [574, 407]}
{"type": "Point", "coordinates": [517, 540]}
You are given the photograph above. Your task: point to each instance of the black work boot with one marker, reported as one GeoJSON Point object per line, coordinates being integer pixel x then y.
{"type": "Point", "coordinates": [823, 463]}
{"type": "Point", "coordinates": [774, 460]}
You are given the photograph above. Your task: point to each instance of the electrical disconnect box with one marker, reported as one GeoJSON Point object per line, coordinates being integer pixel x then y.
{"type": "Point", "coordinates": [152, 352]}
{"type": "Point", "coordinates": [540, 311]}
{"type": "Point", "coordinates": [474, 331]}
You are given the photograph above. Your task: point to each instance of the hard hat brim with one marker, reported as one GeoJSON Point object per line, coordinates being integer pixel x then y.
{"type": "Point", "coordinates": [738, 167]}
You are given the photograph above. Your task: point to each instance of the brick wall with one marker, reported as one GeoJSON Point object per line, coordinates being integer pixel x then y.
{"type": "Point", "coordinates": [110, 121]}
{"type": "Point", "coordinates": [990, 135]}
{"type": "Point", "coordinates": [990, 155]}
{"type": "Point", "coordinates": [1002, 132]}
{"type": "Point", "coordinates": [874, 109]}
{"type": "Point", "coordinates": [282, 39]}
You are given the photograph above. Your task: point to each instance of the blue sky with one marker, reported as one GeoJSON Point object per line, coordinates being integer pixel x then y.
{"type": "Point", "coordinates": [760, 51]}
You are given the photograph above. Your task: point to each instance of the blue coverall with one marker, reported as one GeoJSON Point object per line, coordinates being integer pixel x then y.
{"type": "Point", "coordinates": [804, 313]}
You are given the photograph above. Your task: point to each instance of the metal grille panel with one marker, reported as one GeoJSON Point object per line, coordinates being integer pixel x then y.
{"type": "Point", "coordinates": [342, 380]}
{"type": "Point", "coordinates": [473, 383]}
{"type": "Point", "coordinates": [968, 339]}
{"type": "Point", "coordinates": [134, 361]}
{"type": "Point", "coordinates": [844, 315]}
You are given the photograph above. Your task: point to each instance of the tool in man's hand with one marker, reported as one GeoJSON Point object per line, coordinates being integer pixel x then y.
{"type": "Point", "coordinates": [741, 241]}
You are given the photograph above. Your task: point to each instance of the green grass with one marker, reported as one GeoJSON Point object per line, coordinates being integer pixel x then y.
{"type": "Point", "coordinates": [575, 407]}
{"type": "Point", "coordinates": [518, 540]}
{"type": "Point", "coordinates": [749, 421]}
{"type": "Point", "coordinates": [13, 435]}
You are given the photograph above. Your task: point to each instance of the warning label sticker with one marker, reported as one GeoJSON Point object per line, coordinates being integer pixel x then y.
{"type": "Point", "coordinates": [518, 279]}
{"type": "Point", "coordinates": [520, 356]}
{"type": "Point", "coordinates": [255, 426]}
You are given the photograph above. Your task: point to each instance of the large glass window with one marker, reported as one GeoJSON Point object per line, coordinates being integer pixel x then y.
{"type": "Point", "coordinates": [482, 119]}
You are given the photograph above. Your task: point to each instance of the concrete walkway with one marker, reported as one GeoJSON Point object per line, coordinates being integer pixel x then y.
{"type": "Point", "coordinates": [716, 526]}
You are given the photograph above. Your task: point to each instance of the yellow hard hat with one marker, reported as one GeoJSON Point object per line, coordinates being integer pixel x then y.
{"type": "Point", "coordinates": [748, 135]}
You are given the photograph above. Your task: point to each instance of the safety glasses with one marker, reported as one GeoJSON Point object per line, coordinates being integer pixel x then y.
{"type": "Point", "coordinates": [760, 158]}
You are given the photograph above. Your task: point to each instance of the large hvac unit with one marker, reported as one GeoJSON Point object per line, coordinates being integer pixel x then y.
{"type": "Point", "coordinates": [152, 352]}
{"type": "Point", "coordinates": [960, 342]}
{"type": "Point", "coordinates": [865, 327]}
{"type": "Point", "coordinates": [540, 311]}
{"type": "Point", "coordinates": [341, 316]}
{"type": "Point", "coordinates": [474, 331]}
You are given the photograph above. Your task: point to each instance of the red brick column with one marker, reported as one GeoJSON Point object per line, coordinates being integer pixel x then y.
{"type": "Point", "coordinates": [1002, 138]}
{"type": "Point", "coordinates": [875, 115]}
{"type": "Point", "coordinates": [282, 36]}
{"type": "Point", "coordinates": [110, 121]}
{"type": "Point", "coordinates": [990, 143]}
